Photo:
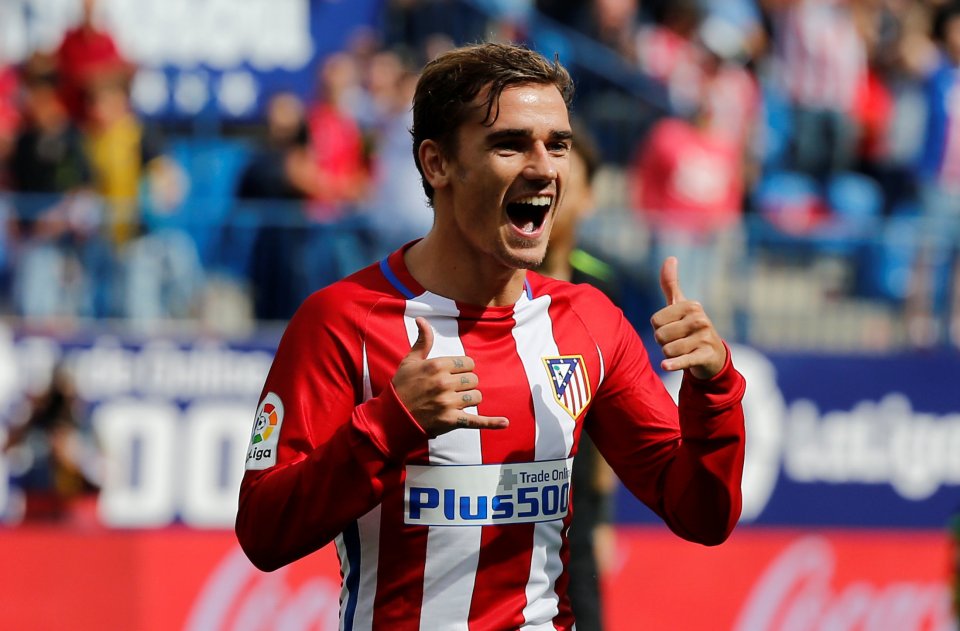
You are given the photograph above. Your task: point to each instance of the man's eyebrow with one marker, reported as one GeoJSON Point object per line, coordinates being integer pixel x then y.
{"type": "Point", "coordinates": [506, 134]}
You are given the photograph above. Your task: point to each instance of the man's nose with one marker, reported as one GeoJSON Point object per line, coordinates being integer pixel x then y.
{"type": "Point", "coordinates": [540, 164]}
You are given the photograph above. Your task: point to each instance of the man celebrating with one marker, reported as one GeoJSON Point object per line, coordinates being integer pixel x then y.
{"type": "Point", "coordinates": [424, 412]}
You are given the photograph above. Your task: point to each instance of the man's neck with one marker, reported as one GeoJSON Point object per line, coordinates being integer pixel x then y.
{"type": "Point", "coordinates": [557, 268]}
{"type": "Point", "coordinates": [447, 274]}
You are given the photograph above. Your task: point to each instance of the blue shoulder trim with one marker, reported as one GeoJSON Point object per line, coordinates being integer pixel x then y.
{"type": "Point", "coordinates": [385, 268]}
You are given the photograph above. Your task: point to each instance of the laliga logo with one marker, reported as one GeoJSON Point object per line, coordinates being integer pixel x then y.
{"type": "Point", "coordinates": [266, 432]}
{"type": "Point", "coordinates": [265, 424]}
{"type": "Point", "coordinates": [764, 413]}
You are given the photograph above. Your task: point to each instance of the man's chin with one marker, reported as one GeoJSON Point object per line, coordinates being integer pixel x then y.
{"type": "Point", "coordinates": [524, 253]}
{"type": "Point", "coordinates": [526, 257]}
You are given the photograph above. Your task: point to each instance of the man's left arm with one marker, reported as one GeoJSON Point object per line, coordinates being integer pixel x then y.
{"type": "Point", "coordinates": [686, 464]}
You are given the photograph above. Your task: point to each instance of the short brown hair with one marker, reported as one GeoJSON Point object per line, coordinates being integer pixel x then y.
{"type": "Point", "coordinates": [449, 84]}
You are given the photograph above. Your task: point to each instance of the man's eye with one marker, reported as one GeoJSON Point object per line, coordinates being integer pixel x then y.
{"type": "Point", "coordinates": [560, 147]}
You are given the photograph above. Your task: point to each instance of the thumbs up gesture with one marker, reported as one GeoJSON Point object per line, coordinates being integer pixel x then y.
{"type": "Point", "coordinates": [437, 390]}
{"type": "Point", "coordinates": [683, 330]}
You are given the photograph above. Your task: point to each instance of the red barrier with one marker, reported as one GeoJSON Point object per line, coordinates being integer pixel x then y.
{"type": "Point", "coordinates": [760, 580]}
{"type": "Point", "coordinates": [773, 580]}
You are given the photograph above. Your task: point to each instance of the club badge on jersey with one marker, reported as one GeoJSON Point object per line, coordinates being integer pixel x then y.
{"type": "Point", "coordinates": [571, 387]}
{"type": "Point", "coordinates": [262, 452]}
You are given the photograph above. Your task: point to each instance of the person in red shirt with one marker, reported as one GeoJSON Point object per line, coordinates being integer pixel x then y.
{"type": "Point", "coordinates": [688, 179]}
{"type": "Point", "coordinates": [423, 413]}
{"type": "Point", "coordinates": [9, 117]}
{"type": "Point", "coordinates": [336, 142]}
{"type": "Point", "coordinates": [87, 55]}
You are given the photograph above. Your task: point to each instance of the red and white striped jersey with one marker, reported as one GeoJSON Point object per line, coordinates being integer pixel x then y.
{"type": "Point", "coordinates": [469, 530]}
{"type": "Point", "coordinates": [822, 55]}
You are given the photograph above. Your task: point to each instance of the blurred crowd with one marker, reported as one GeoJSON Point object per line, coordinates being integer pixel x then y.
{"type": "Point", "coordinates": [810, 126]}
{"type": "Point", "coordinates": [829, 126]}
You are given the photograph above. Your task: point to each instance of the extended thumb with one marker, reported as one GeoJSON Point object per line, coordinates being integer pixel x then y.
{"type": "Point", "coordinates": [670, 282]}
{"type": "Point", "coordinates": [421, 347]}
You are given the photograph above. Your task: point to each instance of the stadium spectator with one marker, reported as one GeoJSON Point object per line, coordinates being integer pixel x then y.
{"type": "Point", "coordinates": [48, 155]}
{"type": "Point", "coordinates": [87, 55]}
{"type": "Point", "coordinates": [666, 51]}
{"type": "Point", "coordinates": [54, 458]}
{"type": "Point", "coordinates": [141, 189]}
{"type": "Point", "coordinates": [336, 141]}
{"type": "Point", "coordinates": [940, 160]}
{"type": "Point", "coordinates": [415, 22]}
{"type": "Point", "coordinates": [507, 368]}
{"type": "Point", "coordinates": [687, 186]}
{"type": "Point", "coordinates": [124, 154]}
{"type": "Point", "coordinates": [398, 208]}
{"type": "Point", "coordinates": [745, 18]}
{"type": "Point", "coordinates": [9, 117]}
{"type": "Point", "coordinates": [282, 167]}
{"type": "Point", "coordinates": [592, 536]}
{"type": "Point", "coordinates": [889, 105]}
{"type": "Point", "coordinates": [820, 62]}
{"type": "Point", "coordinates": [338, 239]}
{"type": "Point", "coordinates": [378, 87]}
{"type": "Point", "coordinates": [939, 174]}
{"type": "Point", "coordinates": [56, 217]}
{"type": "Point", "coordinates": [613, 23]}
{"type": "Point", "coordinates": [728, 91]}
{"type": "Point", "coordinates": [279, 177]}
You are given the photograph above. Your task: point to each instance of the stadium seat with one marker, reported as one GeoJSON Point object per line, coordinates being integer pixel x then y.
{"type": "Point", "coordinates": [790, 202]}
{"type": "Point", "coordinates": [213, 166]}
{"type": "Point", "coordinates": [856, 200]}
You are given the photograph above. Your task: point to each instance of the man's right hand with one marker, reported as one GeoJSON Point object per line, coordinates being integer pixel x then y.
{"type": "Point", "coordinates": [435, 391]}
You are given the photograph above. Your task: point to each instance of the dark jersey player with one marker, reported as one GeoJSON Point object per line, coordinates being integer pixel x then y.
{"type": "Point", "coordinates": [424, 413]}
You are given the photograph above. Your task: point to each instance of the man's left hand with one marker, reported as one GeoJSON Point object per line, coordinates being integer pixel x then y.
{"type": "Point", "coordinates": [684, 332]}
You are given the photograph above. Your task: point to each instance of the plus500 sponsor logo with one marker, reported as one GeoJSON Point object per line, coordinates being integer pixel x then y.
{"type": "Point", "coordinates": [487, 494]}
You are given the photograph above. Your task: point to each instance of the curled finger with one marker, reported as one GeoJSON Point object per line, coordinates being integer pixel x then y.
{"type": "Point", "coordinates": [467, 398]}
{"type": "Point", "coordinates": [459, 364]}
{"type": "Point", "coordinates": [465, 381]}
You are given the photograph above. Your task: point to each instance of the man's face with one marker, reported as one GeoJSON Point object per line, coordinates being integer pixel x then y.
{"type": "Point", "coordinates": [506, 179]}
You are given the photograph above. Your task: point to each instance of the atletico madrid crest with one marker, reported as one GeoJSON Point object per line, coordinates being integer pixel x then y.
{"type": "Point", "coordinates": [568, 376]}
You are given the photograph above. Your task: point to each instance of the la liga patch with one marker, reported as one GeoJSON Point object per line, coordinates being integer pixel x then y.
{"type": "Point", "coordinates": [262, 452]}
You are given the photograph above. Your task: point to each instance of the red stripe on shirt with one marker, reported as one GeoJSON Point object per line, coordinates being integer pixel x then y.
{"type": "Point", "coordinates": [505, 551]}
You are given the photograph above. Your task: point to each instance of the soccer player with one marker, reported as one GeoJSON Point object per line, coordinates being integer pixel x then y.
{"type": "Point", "coordinates": [424, 412]}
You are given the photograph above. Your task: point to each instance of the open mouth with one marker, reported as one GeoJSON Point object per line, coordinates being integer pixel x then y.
{"type": "Point", "coordinates": [529, 213]}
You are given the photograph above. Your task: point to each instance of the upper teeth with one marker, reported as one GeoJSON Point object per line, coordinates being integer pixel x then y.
{"type": "Point", "coordinates": [535, 200]}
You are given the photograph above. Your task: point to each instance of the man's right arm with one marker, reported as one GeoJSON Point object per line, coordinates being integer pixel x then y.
{"type": "Point", "coordinates": [332, 457]}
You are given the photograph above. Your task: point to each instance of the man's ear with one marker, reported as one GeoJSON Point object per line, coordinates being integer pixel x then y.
{"type": "Point", "coordinates": [435, 167]}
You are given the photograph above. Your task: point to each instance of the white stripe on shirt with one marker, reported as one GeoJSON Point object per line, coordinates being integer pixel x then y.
{"type": "Point", "coordinates": [554, 440]}
{"type": "Point", "coordinates": [453, 554]}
